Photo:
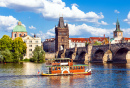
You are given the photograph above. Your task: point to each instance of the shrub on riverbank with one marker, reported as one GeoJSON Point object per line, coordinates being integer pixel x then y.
{"type": "Point", "coordinates": [26, 60]}
{"type": "Point", "coordinates": [38, 55]}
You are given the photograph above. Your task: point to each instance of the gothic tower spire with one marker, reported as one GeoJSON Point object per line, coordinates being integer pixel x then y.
{"type": "Point", "coordinates": [118, 33]}
{"type": "Point", "coordinates": [61, 36]}
{"type": "Point", "coordinates": [61, 22]}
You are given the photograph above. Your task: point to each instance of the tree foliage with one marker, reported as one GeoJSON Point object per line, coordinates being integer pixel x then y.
{"type": "Point", "coordinates": [19, 48]}
{"type": "Point", "coordinates": [7, 56]}
{"type": "Point", "coordinates": [6, 43]}
{"type": "Point", "coordinates": [97, 43]}
{"type": "Point", "coordinates": [11, 50]}
{"type": "Point", "coordinates": [87, 43]}
{"type": "Point", "coordinates": [38, 55]}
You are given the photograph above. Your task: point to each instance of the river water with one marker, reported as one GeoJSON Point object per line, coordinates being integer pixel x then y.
{"type": "Point", "coordinates": [25, 75]}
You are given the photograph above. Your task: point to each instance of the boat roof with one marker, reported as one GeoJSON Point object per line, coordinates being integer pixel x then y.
{"type": "Point", "coordinates": [66, 66]}
{"type": "Point", "coordinates": [60, 59]}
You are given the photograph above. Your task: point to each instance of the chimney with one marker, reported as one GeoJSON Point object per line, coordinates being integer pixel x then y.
{"type": "Point", "coordinates": [34, 36]}
{"type": "Point", "coordinates": [104, 35]}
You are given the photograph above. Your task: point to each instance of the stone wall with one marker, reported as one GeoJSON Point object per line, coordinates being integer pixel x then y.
{"type": "Point", "coordinates": [49, 55]}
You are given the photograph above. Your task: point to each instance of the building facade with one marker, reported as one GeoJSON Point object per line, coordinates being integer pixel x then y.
{"type": "Point", "coordinates": [61, 35]}
{"type": "Point", "coordinates": [31, 43]}
{"type": "Point", "coordinates": [49, 45]}
{"type": "Point", "coordinates": [19, 31]}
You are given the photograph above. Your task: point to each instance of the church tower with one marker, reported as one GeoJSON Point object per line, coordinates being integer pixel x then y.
{"type": "Point", "coordinates": [61, 35]}
{"type": "Point", "coordinates": [118, 33]}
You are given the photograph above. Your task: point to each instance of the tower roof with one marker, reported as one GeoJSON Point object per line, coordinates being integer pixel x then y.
{"type": "Point", "coordinates": [61, 22]}
{"type": "Point", "coordinates": [118, 26]}
{"type": "Point", "coordinates": [117, 22]}
{"type": "Point", "coordinates": [19, 28]}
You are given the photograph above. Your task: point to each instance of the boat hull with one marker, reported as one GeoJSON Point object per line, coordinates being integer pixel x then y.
{"type": "Point", "coordinates": [77, 73]}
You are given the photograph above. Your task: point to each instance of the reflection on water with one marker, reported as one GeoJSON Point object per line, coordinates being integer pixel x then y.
{"type": "Point", "coordinates": [103, 75]}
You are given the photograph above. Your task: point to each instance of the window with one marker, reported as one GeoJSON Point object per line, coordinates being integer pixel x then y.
{"type": "Point", "coordinates": [60, 33]}
{"type": "Point", "coordinates": [30, 49]}
{"type": "Point", "coordinates": [78, 67]}
{"type": "Point", "coordinates": [30, 54]}
{"type": "Point", "coordinates": [36, 45]}
{"type": "Point", "coordinates": [73, 68]}
{"type": "Point", "coordinates": [52, 68]}
{"type": "Point", "coordinates": [55, 68]}
{"type": "Point", "coordinates": [25, 41]}
{"type": "Point", "coordinates": [30, 45]}
{"type": "Point", "coordinates": [19, 35]}
{"type": "Point", "coordinates": [24, 35]}
{"type": "Point", "coordinates": [36, 41]}
{"type": "Point", "coordinates": [14, 35]}
{"type": "Point", "coordinates": [70, 68]}
{"type": "Point", "coordinates": [64, 33]}
{"type": "Point", "coordinates": [30, 41]}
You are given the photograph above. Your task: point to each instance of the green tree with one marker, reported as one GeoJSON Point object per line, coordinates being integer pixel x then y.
{"type": "Point", "coordinates": [19, 48]}
{"type": "Point", "coordinates": [38, 55]}
{"type": "Point", "coordinates": [1, 57]}
{"type": "Point", "coordinates": [6, 43]}
{"type": "Point", "coordinates": [97, 43]}
{"type": "Point", "coordinates": [87, 43]}
{"type": "Point", "coordinates": [7, 55]}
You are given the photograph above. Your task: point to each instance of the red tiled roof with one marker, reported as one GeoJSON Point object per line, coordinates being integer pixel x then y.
{"type": "Point", "coordinates": [127, 39]}
{"type": "Point", "coordinates": [79, 39]}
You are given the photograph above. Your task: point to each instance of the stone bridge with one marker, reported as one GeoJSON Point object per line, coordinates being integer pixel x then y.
{"type": "Point", "coordinates": [117, 53]}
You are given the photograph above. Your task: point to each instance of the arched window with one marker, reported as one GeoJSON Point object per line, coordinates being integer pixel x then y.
{"type": "Point", "coordinates": [15, 35]}
{"type": "Point", "coordinates": [19, 35]}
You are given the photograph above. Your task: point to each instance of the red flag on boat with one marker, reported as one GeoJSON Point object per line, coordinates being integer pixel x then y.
{"type": "Point", "coordinates": [38, 71]}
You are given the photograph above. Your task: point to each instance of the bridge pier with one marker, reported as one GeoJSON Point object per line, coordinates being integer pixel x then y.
{"type": "Point", "coordinates": [88, 56]}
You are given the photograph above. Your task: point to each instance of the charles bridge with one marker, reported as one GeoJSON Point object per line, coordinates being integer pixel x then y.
{"type": "Point", "coordinates": [116, 53]}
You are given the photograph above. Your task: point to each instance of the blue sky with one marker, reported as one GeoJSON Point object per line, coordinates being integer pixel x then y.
{"type": "Point", "coordinates": [86, 18]}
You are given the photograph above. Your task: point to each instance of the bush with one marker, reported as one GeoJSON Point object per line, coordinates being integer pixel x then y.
{"type": "Point", "coordinates": [38, 55]}
{"type": "Point", "coordinates": [26, 60]}
{"type": "Point", "coordinates": [33, 59]}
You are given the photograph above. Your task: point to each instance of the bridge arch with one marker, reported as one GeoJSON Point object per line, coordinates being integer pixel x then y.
{"type": "Point", "coordinates": [82, 55]}
{"type": "Point", "coordinates": [121, 55]}
{"type": "Point", "coordinates": [98, 55]}
{"type": "Point", "coordinates": [107, 56]}
{"type": "Point", "coordinates": [70, 54]}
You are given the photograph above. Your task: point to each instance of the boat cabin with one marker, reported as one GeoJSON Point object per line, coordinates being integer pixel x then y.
{"type": "Point", "coordinates": [60, 62]}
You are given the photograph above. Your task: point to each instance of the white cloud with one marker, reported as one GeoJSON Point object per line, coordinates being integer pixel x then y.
{"type": "Point", "coordinates": [128, 18]}
{"type": "Point", "coordinates": [104, 23]}
{"type": "Point", "coordinates": [32, 27]}
{"type": "Point", "coordinates": [49, 34]}
{"type": "Point", "coordinates": [51, 9]}
{"type": "Point", "coordinates": [114, 23]}
{"type": "Point", "coordinates": [82, 29]}
{"type": "Point", "coordinates": [7, 23]}
{"type": "Point", "coordinates": [116, 11]}
{"type": "Point", "coordinates": [78, 30]}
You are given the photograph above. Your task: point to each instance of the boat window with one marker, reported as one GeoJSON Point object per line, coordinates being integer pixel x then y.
{"type": "Point", "coordinates": [78, 67]}
{"type": "Point", "coordinates": [81, 67]}
{"type": "Point", "coordinates": [55, 68]}
{"type": "Point", "coordinates": [59, 68]}
{"type": "Point", "coordinates": [70, 68]}
{"type": "Point", "coordinates": [52, 68]}
{"type": "Point", "coordinates": [73, 68]}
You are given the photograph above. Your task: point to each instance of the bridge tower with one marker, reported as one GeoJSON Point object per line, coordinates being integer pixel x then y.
{"type": "Point", "coordinates": [61, 35]}
{"type": "Point", "coordinates": [118, 33]}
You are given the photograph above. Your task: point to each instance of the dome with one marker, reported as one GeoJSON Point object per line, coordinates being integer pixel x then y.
{"type": "Point", "coordinates": [19, 28]}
